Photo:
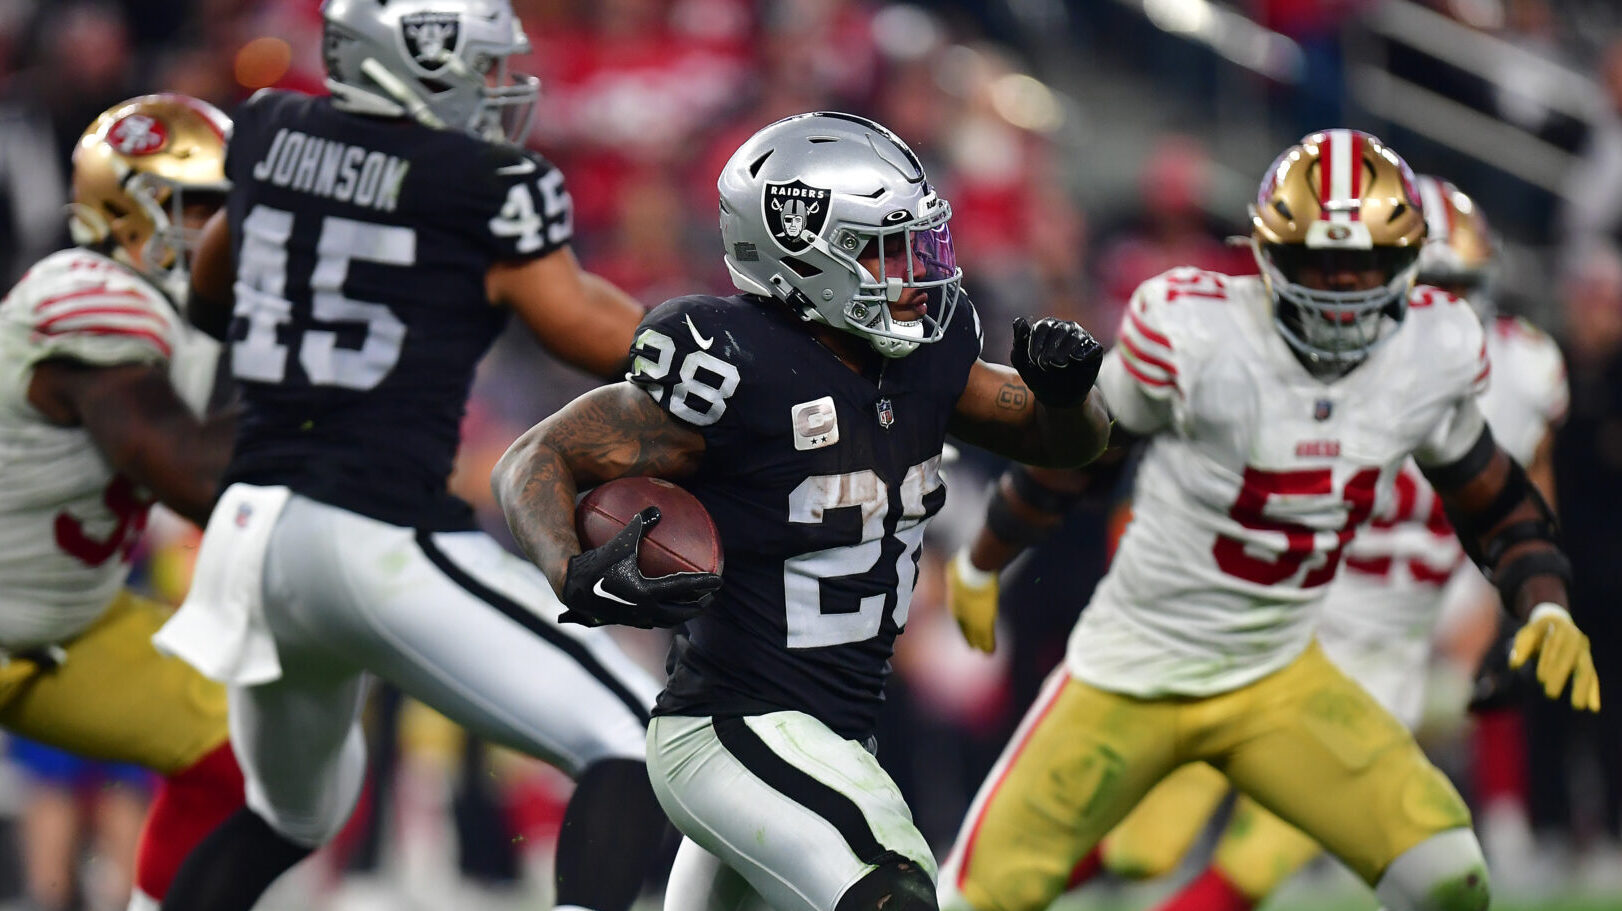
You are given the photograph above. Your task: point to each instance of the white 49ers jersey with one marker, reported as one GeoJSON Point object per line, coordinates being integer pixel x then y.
{"type": "Point", "coordinates": [67, 522]}
{"type": "Point", "coordinates": [1255, 477]}
{"type": "Point", "coordinates": [1387, 599]}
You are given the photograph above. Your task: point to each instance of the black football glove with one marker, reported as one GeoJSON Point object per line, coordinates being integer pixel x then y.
{"type": "Point", "coordinates": [604, 585]}
{"type": "Point", "coordinates": [1496, 686]}
{"type": "Point", "coordinates": [1058, 359]}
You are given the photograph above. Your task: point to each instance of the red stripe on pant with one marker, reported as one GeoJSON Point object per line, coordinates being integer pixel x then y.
{"type": "Point", "coordinates": [1211, 891]}
{"type": "Point", "coordinates": [188, 805]}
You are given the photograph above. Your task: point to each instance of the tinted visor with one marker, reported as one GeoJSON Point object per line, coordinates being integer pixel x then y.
{"type": "Point", "coordinates": [914, 255]}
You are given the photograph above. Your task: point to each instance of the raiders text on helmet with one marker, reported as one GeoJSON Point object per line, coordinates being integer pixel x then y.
{"type": "Point", "coordinates": [1337, 202]}
{"type": "Point", "coordinates": [803, 199]}
{"type": "Point", "coordinates": [1461, 254]}
{"type": "Point", "coordinates": [441, 62]}
{"type": "Point", "coordinates": [134, 171]}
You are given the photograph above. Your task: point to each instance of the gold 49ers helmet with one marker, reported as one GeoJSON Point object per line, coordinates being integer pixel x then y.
{"type": "Point", "coordinates": [1461, 255]}
{"type": "Point", "coordinates": [1337, 229]}
{"type": "Point", "coordinates": [136, 170]}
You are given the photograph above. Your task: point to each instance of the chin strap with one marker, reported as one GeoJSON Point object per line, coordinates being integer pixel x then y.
{"type": "Point", "coordinates": [401, 101]}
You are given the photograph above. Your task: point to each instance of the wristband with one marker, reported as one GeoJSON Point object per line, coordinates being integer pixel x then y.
{"type": "Point", "coordinates": [973, 576]}
{"type": "Point", "coordinates": [1546, 608]}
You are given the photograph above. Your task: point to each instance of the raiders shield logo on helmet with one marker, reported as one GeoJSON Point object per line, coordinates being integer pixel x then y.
{"type": "Point", "coordinates": [430, 38]}
{"type": "Point", "coordinates": [793, 212]}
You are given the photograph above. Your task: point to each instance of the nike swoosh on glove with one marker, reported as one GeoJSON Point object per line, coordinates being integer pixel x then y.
{"type": "Point", "coordinates": [604, 585]}
{"type": "Point", "coordinates": [971, 596]}
{"type": "Point", "coordinates": [1563, 655]}
{"type": "Point", "coordinates": [1057, 358]}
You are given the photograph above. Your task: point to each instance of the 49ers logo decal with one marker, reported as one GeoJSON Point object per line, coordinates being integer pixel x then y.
{"type": "Point", "coordinates": [137, 134]}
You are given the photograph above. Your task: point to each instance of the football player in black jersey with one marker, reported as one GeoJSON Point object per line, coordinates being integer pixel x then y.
{"type": "Point", "coordinates": [375, 243]}
{"type": "Point", "coordinates": [808, 414]}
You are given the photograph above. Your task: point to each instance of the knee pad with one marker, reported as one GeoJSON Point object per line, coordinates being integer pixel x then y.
{"type": "Point", "coordinates": [1445, 872]}
{"type": "Point", "coordinates": [899, 884]}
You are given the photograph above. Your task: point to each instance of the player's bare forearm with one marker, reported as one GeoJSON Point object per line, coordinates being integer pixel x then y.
{"type": "Point", "coordinates": [1028, 504]}
{"type": "Point", "coordinates": [537, 491]}
{"type": "Point", "coordinates": [580, 317]}
{"type": "Point", "coordinates": [999, 412]}
{"type": "Point", "coordinates": [620, 313]}
{"type": "Point", "coordinates": [1067, 437]}
{"type": "Point", "coordinates": [612, 432]}
{"type": "Point", "coordinates": [1541, 469]}
{"type": "Point", "coordinates": [213, 274]}
{"type": "Point", "coordinates": [141, 427]}
{"type": "Point", "coordinates": [185, 471]}
{"type": "Point", "coordinates": [990, 550]}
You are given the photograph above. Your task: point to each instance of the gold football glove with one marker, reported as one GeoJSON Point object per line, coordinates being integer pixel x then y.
{"type": "Point", "coordinates": [1563, 655]}
{"type": "Point", "coordinates": [971, 595]}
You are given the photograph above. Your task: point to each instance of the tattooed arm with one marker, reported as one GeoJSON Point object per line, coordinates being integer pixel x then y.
{"type": "Point", "coordinates": [998, 411]}
{"type": "Point", "coordinates": [611, 432]}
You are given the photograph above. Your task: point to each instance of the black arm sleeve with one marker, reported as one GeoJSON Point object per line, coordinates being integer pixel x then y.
{"type": "Point", "coordinates": [1484, 533]}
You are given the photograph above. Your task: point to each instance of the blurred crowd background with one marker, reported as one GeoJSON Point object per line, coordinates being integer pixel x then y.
{"type": "Point", "coordinates": [1085, 145]}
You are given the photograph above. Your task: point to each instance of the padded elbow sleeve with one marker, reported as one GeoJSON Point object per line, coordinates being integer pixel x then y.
{"type": "Point", "coordinates": [1487, 539]}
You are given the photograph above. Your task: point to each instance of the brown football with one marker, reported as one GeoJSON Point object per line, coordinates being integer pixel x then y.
{"type": "Point", "coordinates": [685, 540]}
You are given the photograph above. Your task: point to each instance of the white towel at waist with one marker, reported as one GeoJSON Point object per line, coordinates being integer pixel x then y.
{"type": "Point", "coordinates": [221, 629]}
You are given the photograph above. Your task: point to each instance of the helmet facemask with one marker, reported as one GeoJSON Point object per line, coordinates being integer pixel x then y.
{"type": "Point", "coordinates": [914, 254]}
{"type": "Point", "coordinates": [167, 252]}
{"type": "Point", "coordinates": [1337, 329]}
{"type": "Point", "coordinates": [508, 101]}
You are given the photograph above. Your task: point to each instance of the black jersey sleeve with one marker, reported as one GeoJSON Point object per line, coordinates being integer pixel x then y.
{"type": "Point", "coordinates": [245, 145]}
{"type": "Point", "coordinates": [963, 343]}
{"type": "Point", "coordinates": [684, 357]}
{"type": "Point", "coordinates": [519, 203]}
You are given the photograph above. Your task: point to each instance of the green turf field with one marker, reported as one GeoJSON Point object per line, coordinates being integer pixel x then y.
{"type": "Point", "coordinates": [1321, 888]}
{"type": "Point", "coordinates": [1341, 902]}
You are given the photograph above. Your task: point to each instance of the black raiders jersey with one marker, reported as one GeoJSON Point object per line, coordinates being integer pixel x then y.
{"type": "Point", "coordinates": [361, 248]}
{"type": "Point", "coordinates": [820, 481]}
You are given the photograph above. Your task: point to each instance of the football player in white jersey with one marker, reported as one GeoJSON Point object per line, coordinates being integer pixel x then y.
{"type": "Point", "coordinates": [1276, 407]}
{"type": "Point", "coordinates": [101, 413]}
{"type": "Point", "coordinates": [1380, 612]}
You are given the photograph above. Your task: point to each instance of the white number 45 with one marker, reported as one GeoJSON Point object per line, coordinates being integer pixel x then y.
{"type": "Point", "coordinates": [519, 218]}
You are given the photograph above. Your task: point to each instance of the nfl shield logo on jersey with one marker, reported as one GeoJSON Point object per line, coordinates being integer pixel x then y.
{"type": "Point", "coordinates": [886, 413]}
{"type": "Point", "coordinates": [1322, 409]}
{"type": "Point", "coordinates": [794, 210]}
{"type": "Point", "coordinates": [430, 38]}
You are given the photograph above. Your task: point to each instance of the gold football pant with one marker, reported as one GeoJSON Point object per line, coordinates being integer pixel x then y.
{"type": "Point", "coordinates": [115, 697]}
{"type": "Point", "coordinates": [1307, 743]}
{"type": "Point", "coordinates": [1257, 850]}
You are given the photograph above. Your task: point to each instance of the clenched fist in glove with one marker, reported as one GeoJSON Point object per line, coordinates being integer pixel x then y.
{"type": "Point", "coordinates": [1563, 655]}
{"type": "Point", "coordinates": [1058, 359]}
{"type": "Point", "coordinates": [604, 585]}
